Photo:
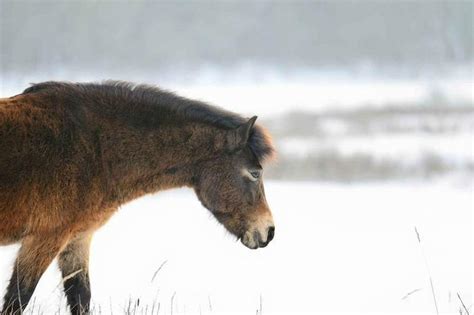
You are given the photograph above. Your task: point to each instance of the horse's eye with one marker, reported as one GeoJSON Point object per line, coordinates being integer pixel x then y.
{"type": "Point", "coordinates": [252, 174]}
{"type": "Point", "coordinates": [255, 174]}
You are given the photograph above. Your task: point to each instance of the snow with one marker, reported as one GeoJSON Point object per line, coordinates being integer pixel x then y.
{"type": "Point", "coordinates": [346, 249]}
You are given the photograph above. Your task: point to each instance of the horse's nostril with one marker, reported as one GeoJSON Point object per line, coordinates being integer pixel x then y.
{"type": "Point", "coordinates": [271, 233]}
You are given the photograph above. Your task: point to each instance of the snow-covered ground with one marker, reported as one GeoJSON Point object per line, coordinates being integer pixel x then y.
{"type": "Point", "coordinates": [338, 249]}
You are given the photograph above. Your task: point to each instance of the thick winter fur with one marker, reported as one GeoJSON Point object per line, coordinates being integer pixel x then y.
{"type": "Point", "coordinates": [71, 154]}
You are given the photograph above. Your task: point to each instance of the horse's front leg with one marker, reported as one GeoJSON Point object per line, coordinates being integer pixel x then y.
{"type": "Point", "coordinates": [35, 255]}
{"type": "Point", "coordinates": [74, 265]}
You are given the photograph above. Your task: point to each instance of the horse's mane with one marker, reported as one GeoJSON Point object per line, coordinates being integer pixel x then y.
{"type": "Point", "coordinates": [259, 141]}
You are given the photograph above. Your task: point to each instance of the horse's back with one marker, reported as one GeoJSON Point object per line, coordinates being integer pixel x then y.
{"type": "Point", "coordinates": [43, 163]}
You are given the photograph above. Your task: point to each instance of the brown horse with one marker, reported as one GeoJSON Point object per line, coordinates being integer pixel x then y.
{"type": "Point", "coordinates": [71, 154]}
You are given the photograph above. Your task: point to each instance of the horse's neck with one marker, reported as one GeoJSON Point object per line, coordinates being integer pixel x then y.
{"type": "Point", "coordinates": [137, 162]}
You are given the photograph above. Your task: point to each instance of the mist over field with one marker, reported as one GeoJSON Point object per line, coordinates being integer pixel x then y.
{"type": "Point", "coordinates": [370, 105]}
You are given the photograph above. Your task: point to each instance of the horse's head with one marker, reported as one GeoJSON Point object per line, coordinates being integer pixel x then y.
{"type": "Point", "coordinates": [231, 186]}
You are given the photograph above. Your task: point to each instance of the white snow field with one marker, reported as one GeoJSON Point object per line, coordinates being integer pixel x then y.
{"type": "Point", "coordinates": [345, 249]}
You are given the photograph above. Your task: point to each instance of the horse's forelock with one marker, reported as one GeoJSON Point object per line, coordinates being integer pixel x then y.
{"type": "Point", "coordinates": [260, 143]}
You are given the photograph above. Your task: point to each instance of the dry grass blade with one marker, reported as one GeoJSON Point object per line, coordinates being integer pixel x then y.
{"type": "Point", "coordinates": [417, 235]}
{"type": "Point", "coordinates": [158, 270]}
{"type": "Point", "coordinates": [69, 276]}
{"type": "Point", "coordinates": [410, 293]}
{"type": "Point", "coordinates": [111, 308]}
{"type": "Point", "coordinates": [428, 270]}
{"type": "Point", "coordinates": [462, 303]}
{"type": "Point", "coordinates": [209, 301]}
{"type": "Point", "coordinates": [172, 302]}
{"type": "Point", "coordinates": [18, 286]}
{"type": "Point", "coordinates": [434, 295]}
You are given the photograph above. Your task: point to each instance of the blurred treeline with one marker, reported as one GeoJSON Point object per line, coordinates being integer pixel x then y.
{"type": "Point", "coordinates": [395, 142]}
{"type": "Point", "coordinates": [148, 37]}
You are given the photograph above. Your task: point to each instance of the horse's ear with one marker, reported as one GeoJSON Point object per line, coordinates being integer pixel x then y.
{"type": "Point", "coordinates": [240, 136]}
{"type": "Point", "coordinates": [244, 130]}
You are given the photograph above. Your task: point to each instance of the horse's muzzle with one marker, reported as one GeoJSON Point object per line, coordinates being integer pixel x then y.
{"type": "Point", "coordinates": [256, 239]}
